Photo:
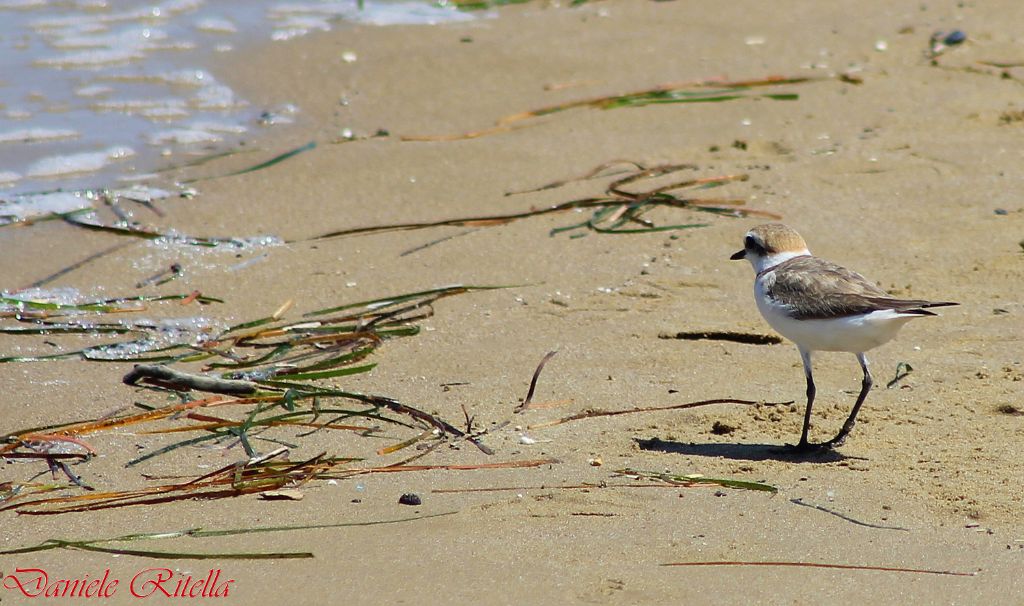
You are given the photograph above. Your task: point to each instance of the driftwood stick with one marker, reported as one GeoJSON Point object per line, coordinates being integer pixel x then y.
{"type": "Point", "coordinates": [173, 379]}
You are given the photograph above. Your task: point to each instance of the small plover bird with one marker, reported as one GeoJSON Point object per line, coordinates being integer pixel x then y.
{"type": "Point", "coordinates": [821, 306]}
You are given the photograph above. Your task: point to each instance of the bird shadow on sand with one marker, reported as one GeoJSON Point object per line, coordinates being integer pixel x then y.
{"type": "Point", "coordinates": [741, 452]}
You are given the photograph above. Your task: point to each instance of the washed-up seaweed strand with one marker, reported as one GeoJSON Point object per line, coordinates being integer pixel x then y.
{"type": "Point", "coordinates": [716, 206]}
{"type": "Point", "coordinates": [591, 414]}
{"type": "Point", "coordinates": [533, 382]}
{"type": "Point", "coordinates": [846, 517]}
{"type": "Point", "coordinates": [259, 166]}
{"type": "Point", "coordinates": [598, 171]}
{"type": "Point", "coordinates": [70, 268]}
{"type": "Point", "coordinates": [700, 91]}
{"type": "Point", "coordinates": [833, 566]}
{"type": "Point", "coordinates": [232, 480]}
{"type": "Point", "coordinates": [202, 533]}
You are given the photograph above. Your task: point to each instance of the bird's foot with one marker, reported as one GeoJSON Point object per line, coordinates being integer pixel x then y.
{"type": "Point", "coordinates": [836, 441]}
{"type": "Point", "coordinates": [808, 447]}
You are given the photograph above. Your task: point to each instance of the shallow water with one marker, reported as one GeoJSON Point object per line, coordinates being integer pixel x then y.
{"type": "Point", "coordinates": [94, 93]}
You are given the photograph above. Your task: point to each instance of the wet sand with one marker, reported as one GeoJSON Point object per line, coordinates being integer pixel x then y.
{"type": "Point", "coordinates": [910, 177]}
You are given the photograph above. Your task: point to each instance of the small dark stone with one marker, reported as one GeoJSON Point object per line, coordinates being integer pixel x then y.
{"type": "Point", "coordinates": [721, 429]}
{"type": "Point", "coordinates": [1002, 211]}
{"type": "Point", "coordinates": [410, 498]}
{"type": "Point", "coordinates": [954, 37]}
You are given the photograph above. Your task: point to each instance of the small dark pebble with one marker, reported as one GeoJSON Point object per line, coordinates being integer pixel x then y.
{"type": "Point", "coordinates": [410, 498]}
{"type": "Point", "coordinates": [1009, 409]}
{"type": "Point", "coordinates": [1002, 211]}
{"type": "Point", "coordinates": [720, 429]}
{"type": "Point", "coordinates": [954, 37]}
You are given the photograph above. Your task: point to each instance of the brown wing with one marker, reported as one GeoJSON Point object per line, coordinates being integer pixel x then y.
{"type": "Point", "coordinates": [813, 288]}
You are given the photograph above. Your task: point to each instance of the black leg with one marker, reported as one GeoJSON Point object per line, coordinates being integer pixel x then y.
{"type": "Point", "coordinates": [865, 387]}
{"type": "Point", "coordinates": [808, 373]}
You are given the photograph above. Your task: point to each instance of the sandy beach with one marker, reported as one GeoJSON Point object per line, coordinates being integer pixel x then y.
{"type": "Point", "coordinates": [903, 167]}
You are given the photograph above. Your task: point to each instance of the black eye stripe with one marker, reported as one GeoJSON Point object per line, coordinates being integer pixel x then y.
{"type": "Point", "coordinates": [750, 243]}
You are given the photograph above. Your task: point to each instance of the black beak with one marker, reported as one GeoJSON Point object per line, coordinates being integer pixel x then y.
{"type": "Point", "coordinates": [736, 256]}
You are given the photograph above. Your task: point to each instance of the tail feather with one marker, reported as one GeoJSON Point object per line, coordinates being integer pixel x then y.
{"type": "Point", "coordinates": [910, 306]}
{"type": "Point", "coordinates": [916, 312]}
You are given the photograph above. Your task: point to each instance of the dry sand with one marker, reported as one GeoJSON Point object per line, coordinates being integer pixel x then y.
{"type": "Point", "coordinates": [900, 177]}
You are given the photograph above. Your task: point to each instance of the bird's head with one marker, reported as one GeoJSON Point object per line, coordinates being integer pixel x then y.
{"type": "Point", "coordinates": [765, 246]}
